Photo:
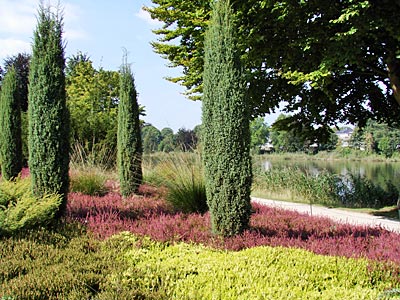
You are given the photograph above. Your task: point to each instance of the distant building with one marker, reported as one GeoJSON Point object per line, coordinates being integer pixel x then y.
{"type": "Point", "coordinates": [344, 136]}
{"type": "Point", "coordinates": [267, 148]}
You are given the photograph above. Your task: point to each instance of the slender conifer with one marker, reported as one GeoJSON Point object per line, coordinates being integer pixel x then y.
{"type": "Point", "coordinates": [48, 113]}
{"type": "Point", "coordinates": [129, 137]}
{"type": "Point", "coordinates": [10, 124]}
{"type": "Point", "coordinates": [226, 135]}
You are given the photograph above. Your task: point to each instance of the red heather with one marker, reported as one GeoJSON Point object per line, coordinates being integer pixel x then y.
{"type": "Point", "coordinates": [150, 215]}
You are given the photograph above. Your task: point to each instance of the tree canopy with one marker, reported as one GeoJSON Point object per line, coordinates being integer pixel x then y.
{"type": "Point", "coordinates": [323, 61]}
{"type": "Point", "coordinates": [92, 97]}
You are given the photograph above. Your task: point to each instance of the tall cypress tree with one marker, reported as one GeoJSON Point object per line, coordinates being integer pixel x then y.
{"type": "Point", "coordinates": [48, 113]}
{"type": "Point", "coordinates": [226, 135]}
{"type": "Point", "coordinates": [129, 137]}
{"type": "Point", "coordinates": [10, 124]}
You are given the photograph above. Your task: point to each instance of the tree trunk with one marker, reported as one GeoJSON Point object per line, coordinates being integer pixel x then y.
{"type": "Point", "coordinates": [393, 67]}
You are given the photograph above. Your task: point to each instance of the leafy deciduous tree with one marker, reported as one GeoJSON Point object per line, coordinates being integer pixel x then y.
{"type": "Point", "coordinates": [167, 143]}
{"type": "Point", "coordinates": [327, 60]}
{"type": "Point", "coordinates": [259, 132]}
{"type": "Point", "coordinates": [151, 138]}
{"type": "Point", "coordinates": [92, 101]}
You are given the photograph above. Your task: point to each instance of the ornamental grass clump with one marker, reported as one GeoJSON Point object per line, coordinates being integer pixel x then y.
{"type": "Point", "coordinates": [182, 175]}
{"type": "Point", "coordinates": [89, 182]}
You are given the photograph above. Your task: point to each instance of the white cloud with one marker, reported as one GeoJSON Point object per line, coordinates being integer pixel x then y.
{"type": "Point", "coordinates": [10, 47]}
{"type": "Point", "coordinates": [17, 17]}
{"type": "Point", "coordinates": [145, 16]}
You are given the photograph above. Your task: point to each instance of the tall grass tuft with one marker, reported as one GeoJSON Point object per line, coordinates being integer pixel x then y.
{"type": "Point", "coordinates": [99, 156]}
{"type": "Point", "coordinates": [182, 174]}
{"type": "Point", "coordinates": [91, 169]}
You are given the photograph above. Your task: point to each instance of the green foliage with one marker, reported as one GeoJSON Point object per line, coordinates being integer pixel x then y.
{"type": "Point", "coordinates": [89, 182]}
{"type": "Point", "coordinates": [324, 188]}
{"type": "Point", "coordinates": [20, 62]}
{"type": "Point", "coordinates": [377, 137]}
{"type": "Point", "coordinates": [259, 133]}
{"type": "Point", "coordinates": [66, 263]}
{"type": "Point", "coordinates": [129, 135]}
{"type": "Point", "coordinates": [329, 71]}
{"type": "Point", "coordinates": [48, 113]}
{"type": "Point", "coordinates": [182, 174]}
{"type": "Point", "coordinates": [92, 98]}
{"type": "Point", "coordinates": [183, 272]}
{"type": "Point", "coordinates": [225, 132]}
{"type": "Point", "coordinates": [151, 138]}
{"type": "Point", "coordinates": [10, 124]}
{"type": "Point", "coordinates": [20, 210]}
{"type": "Point", "coordinates": [167, 143]}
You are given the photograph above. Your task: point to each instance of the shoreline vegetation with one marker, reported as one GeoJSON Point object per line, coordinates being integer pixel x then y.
{"type": "Point", "coordinates": [337, 155]}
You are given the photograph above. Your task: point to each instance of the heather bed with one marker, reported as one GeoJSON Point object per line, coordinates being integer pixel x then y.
{"type": "Point", "coordinates": [149, 215]}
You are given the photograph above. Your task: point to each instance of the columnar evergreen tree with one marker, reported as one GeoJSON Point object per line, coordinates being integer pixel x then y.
{"type": "Point", "coordinates": [129, 136]}
{"type": "Point", "coordinates": [226, 135]}
{"type": "Point", "coordinates": [10, 124]}
{"type": "Point", "coordinates": [48, 113]}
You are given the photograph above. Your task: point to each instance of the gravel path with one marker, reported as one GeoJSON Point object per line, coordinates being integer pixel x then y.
{"type": "Point", "coordinates": [339, 215]}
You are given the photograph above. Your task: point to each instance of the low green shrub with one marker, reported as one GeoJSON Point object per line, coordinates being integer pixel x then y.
{"type": "Point", "coordinates": [186, 271]}
{"type": "Point", "coordinates": [11, 191]}
{"type": "Point", "coordinates": [65, 263]}
{"type": "Point", "coordinates": [20, 210]}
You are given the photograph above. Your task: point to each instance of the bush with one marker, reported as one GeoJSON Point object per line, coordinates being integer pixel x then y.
{"type": "Point", "coordinates": [20, 210]}
{"type": "Point", "coordinates": [65, 264]}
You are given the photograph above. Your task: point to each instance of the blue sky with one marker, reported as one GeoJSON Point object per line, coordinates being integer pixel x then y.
{"type": "Point", "coordinates": [102, 28]}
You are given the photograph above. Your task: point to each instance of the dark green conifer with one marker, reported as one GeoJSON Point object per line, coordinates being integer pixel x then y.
{"type": "Point", "coordinates": [10, 124]}
{"type": "Point", "coordinates": [225, 135]}
{"type": "Point", "coordinates": [48, 113]}
{"type": "Point", "coordinates": [129, 137]}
